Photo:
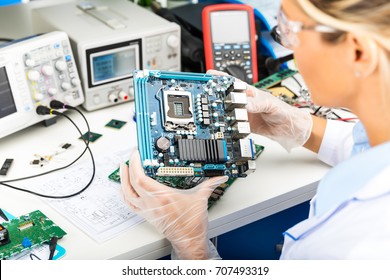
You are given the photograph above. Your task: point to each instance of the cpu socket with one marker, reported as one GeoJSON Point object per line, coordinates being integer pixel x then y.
{"type": "Point", "coordinates": [178, 110]}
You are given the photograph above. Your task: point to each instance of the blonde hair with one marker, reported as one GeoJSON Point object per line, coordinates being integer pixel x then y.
{"type": "Point", "coordinates": [368, 18]}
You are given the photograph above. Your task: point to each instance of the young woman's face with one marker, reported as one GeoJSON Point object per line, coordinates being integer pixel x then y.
{"type": "Point", "coordinates": [324, 66]}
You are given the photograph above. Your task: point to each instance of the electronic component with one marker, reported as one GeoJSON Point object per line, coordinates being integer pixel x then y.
{"type": "Point", "coordinates": [175, 171]}
{"type": "Point", "coordinates": [115, 124]}
{"type": "Point", "coordinates": [163, 144]}
{"type": "Point", "coordinates": [66, 146]}
{"type": "Point", "coordinates": [184, 124]}
{"type": "Point", "coordinates": [6, 166]}
{"type": "Point", "coordinates": [275, 79]}
{"type": "Point", "coordinates": [201, 150]}
{"type": "Point", "coordinates": [178, 110]}
{"type": "Point", "coordinates": [245, 149]}
{"type": "Point", "coordinates": [26, 232]}
{"type": "Point", "coordinates": [43, 160]}
{"type": "Point", "coordinates": [241, 129]}
{"type": "Point", "coordinates": [251, 166]}
{"type": "Point", "coordinates": [238, 114]}
{"type": "Point", "coordinates": [236, 100]}
{"type": "Point", "coordinates": [4, 236]}
{"type": "Point", "coordinates": [190, 182]}
{"type": "Point", "coordinates": [92, 137]}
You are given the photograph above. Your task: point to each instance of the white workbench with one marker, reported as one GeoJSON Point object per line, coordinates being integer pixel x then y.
{"type": "Point", "coordinates": [281, 180]}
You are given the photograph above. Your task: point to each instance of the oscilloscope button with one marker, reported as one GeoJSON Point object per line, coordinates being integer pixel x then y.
{"type": "Point", "coordinates": [30, 62]}
{"type": "Point", "coordinates": [47, 70]}
{"type": "Point", "coordinates": [60, 65]}
{"type": "Point", "coordinates": [75, 82]}
{"type": "Point", "coordinates": [65, 86]}
{"type": "Point", "coordinates": [173, 41]}
{"type": "Point", "coordinates": [52, 91]}
{"type": "Point", "coordinates": [33, 75]}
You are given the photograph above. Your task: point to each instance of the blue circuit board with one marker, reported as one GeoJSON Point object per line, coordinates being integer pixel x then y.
{"type": "Point", "coordinates": [192, 125]}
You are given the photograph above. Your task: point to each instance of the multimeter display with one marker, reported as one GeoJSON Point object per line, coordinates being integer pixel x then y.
{"type": "Point", "coordinates": [234, 21]}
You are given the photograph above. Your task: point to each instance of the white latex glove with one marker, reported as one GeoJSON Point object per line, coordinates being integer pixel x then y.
{"type": "Point", "coordinates": [275, 119]}
{"type": "Point", "coordinates": [180, 215]}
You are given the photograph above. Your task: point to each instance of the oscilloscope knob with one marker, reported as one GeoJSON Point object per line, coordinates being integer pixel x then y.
{"type": "Point", "coordinates": [75, 82]}
{"type": "Point", "coordinates": [29, 62]}
{"type": "Point", "coordinates": [65, 86]}
{"type": "Point", "coordinates": [33, 75]}
{"type": "Point", "coordinates": [173, 41]}
{"type": "Point", "coordinates": [38, 96]}
{"type": "Point", "coordinates": [60, 65]}
{"type": "Point", "coordinates": [52, 91]}
{"type": "Point", "coordinates": [47, 70]}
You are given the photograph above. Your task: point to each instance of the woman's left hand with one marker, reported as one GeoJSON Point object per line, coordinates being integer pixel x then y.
{"type": "Point", "coordinates": [180, 215]}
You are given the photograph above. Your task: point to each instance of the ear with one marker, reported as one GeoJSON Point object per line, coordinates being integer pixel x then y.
{"type": "Point", "coordinates": [366, 55]}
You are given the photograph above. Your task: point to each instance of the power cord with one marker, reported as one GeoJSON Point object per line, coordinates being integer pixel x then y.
{"type": "Point", "coordinates": [42, 110]}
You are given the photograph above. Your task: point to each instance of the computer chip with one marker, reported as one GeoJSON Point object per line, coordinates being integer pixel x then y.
{"type": "Point", "coordinates": [92, 137]}
{"type": "Point", "coordinates": [115, 124]}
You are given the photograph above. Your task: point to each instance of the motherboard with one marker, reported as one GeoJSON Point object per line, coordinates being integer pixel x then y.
{"type": "Point", "coordinates": [192, 125]}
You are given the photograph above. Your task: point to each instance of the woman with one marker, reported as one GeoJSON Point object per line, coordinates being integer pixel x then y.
{"type": "Point", "coordinates": [342, 49]}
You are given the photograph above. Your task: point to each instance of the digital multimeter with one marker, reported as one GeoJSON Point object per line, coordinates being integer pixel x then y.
{"type": "Point", "coordinates": [229, 37]}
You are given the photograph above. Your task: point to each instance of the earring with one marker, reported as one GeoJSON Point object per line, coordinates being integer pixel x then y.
{"type": "Point", "coordinates": [357, 74]}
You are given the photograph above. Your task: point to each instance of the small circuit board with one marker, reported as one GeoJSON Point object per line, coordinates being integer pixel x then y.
{"type": "Point", "coordinates": [275, 79]}
{"type": "Point", "coordinates": [192, 125]}
{"type": "Point", "coordinates": [190, 182]}
{"type": "Point", "coordinates": [25, 232]}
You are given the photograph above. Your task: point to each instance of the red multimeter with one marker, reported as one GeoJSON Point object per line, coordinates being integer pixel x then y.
{"type": "Point", "coordinates": [229, 36]}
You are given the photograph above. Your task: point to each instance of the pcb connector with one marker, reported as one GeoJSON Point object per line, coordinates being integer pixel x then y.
{"type": "Point", "coordinates": [175, 171]}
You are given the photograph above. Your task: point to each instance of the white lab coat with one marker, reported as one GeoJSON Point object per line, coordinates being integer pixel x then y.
{"type": "Point", "coordinates": [350, 215]}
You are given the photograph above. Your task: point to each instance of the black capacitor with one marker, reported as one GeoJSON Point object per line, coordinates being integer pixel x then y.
{"type": "Point", "coordinates": [163, 144]}
{"type": "Point", "coordinates": [4, 236]}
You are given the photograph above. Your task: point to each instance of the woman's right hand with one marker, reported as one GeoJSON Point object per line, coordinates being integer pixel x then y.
{"type": "Point", "coordinates": [269, 116]}
{"type": "Point", "coordinates": [277, 120]}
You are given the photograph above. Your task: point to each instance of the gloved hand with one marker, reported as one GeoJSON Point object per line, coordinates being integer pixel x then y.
{"type": "Point", "coordinates": [180, 215]}
{"type": "Point", "coordinates": [275, 119]}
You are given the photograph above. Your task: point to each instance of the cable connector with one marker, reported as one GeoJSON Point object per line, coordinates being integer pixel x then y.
{"type": "Point", "coordinates": [55, 104]}
{"type": "Point", "coordinates": [43, 110]}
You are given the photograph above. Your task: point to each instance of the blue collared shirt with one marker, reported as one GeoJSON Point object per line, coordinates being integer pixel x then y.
{"type": "Point", "coordinates": [337, 186]}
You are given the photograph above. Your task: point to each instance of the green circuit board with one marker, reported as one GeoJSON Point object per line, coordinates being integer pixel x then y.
{"type": "Point", "coordinates": [190, 182]}
{"type": "Point", "coordinates": [28, 231]}
{"type": "Point", "coordinates": [275, 79]}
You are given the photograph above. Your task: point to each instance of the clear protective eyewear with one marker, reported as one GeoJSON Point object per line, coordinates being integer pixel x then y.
{"type": "Point", "coordinates": [287, 30]}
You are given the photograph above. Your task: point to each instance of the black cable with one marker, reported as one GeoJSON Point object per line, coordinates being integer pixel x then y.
{"type": "Point", "coordinates": [337, 116]}
{"type": "Point", "coordinates": [60, 168]}
{"type": "Point", "coordinates": [296, 80]}
{"type": "Point", "coordinates": [33, 255]}
{"type": "Point", "coordinates": [52, 246]}
{"type": "Point", "coordinates": [317, 110]}
{"type": "Point", "coordinates": [6, 39]}
{"type": "Point", "coordinates": [64, 196]}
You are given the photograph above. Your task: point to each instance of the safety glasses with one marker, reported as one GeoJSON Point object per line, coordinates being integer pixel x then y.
{"type": "Point", "coordinates": [288, 30]}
